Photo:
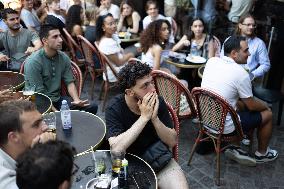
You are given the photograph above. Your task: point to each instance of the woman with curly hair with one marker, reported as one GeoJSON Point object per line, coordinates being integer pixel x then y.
{"type": "Point", "coordinates": [129, 18]}
{"type": "Point", "coordinates": [153, 40]}
{"type": "Point", "coordinates": [74, 20]}
{"type": "Point", "coordinates": [109, 44]}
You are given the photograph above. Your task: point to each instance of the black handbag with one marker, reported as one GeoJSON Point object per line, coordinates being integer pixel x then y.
{"type": "Point", "coordinates": [157, 155]}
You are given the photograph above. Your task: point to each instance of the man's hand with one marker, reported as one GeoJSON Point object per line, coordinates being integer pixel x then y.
{"type": "Point", "coordinates": [146, 106]}
{"type": "Point", "coordinates": [4, 58]}
{"type": "Point", "coordinates": [30, 50]}
{"type": "Point", "coordinates": [5, 93]}
{"type": "Point", "coordinates": [156, 108]}
{"type": "Point", "coordinates": [43, 138]}
{"type": "Point", "coordinates": [80, 103]}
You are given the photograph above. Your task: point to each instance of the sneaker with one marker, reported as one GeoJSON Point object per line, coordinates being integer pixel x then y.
{"type": "Point", "coordinates": [270, 156]}
{"type": "Point", "coordinates": [242, 157]}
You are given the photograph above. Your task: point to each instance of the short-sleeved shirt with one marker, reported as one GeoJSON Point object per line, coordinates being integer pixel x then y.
{"type": "Point", "coordinates": [228, 79]}
{"type": "Point", "coordinates": [30, 19]}
{"type": "Point", "coordinates": [46, 73]}
{"type": "Point", "coordinates": [109, 46]}
{"type": "Point", "coordinates": [114, 10]}
{"type": "Point", "coordinates": [18, 44]}
{"type": "Point", "coordinates": [119, 118]}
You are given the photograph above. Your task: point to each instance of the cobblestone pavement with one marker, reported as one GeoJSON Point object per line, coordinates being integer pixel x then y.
{"type": "Point", "coordinates": [200, 174]}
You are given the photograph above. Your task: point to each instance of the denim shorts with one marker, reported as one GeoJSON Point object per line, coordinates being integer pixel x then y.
{"type": "Point", "coordinates": [250, 120]}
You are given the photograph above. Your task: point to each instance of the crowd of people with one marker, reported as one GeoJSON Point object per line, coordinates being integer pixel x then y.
{"type": "Point", "coordinates": [31, 39]}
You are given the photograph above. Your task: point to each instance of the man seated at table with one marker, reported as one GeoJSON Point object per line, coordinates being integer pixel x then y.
{"type": "Point", "coordinates": [21, 127]}
{"type": "Point", "coordinates": [228, 78]}
{"type": "Point", "coordinates": [16, 41]}
{"type": "Point", "coordinates": [46, 166]}
{"type": "Point", "coordinates": [47, 67]}
{"type": "Point", "coordinates": [139, 118]}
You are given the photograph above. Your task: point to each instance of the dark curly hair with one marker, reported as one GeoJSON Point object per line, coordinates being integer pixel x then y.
{"type": "Point", "coordinates": [129, 74]}
{"type": "Point", "coordinates": [73, 17]}
{"type": "Point", "coordinates": [151, 35]}
{"type": "Point", "coordinates": [99, 26]}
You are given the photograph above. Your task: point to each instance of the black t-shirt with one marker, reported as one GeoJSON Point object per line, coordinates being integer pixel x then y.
{"type": "Point", "coordinates": [120, 118]}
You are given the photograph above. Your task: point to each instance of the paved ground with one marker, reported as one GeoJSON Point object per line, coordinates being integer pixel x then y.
{"type": "Point", "coordinates": [200, 174]}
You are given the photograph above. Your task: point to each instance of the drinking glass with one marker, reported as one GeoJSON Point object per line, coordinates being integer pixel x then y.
{"type": "Point", "coordinates": [50, 120]}
{"type": "Point", "coordinates": [29, 92]}
{"type": "Point", "coordinates": [116, 160]}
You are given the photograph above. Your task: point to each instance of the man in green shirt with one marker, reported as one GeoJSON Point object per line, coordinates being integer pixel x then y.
{"type": "Point", "coordinates": [47, 67]}
{"type": "Point", "coordinates": [16, 41]}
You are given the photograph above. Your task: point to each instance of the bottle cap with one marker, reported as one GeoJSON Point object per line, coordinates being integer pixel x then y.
{"type": "Point", "coordinates": [64, 102]}
{"type": "Point", "coordinates": [124, 162]}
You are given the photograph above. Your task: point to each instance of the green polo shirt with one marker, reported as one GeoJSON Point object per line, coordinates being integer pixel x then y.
{"type": "Point", "coordinates": [46, 73]}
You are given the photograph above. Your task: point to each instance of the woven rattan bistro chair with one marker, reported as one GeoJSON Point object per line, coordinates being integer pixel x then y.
{"type": "Point", "coordinates": [176, 127]}
{"type": "Point", "coordinates": [106, 85]}
{"type": "Point", "coordinates": [212, 110]}
{"type": "Point", "coordinates": [89, 52]}
{"type": "Point", "coordinates": [172, 90]}
{"type": "Point", "coordinates": [74, 48]}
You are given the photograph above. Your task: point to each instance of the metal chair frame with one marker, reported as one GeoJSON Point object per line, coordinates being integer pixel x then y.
{"type": "Point", "coordinates": [88, 52]}
{"type": "Point", "coordinates": [212, 110]}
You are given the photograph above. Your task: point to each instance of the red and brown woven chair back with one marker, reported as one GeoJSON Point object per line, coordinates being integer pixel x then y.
{"type": "Point", "coordinates": [88, 51]}
{"type": "Point", "coordinates": [106, 63]}
{"type": "Point", "coordinates": [212, 110]}
{"type": "Point", "coordinates": [73, 47]}
{"type": "Point", "coordinates": [176, 127]}
{"type": "Point", "coordinates": [77, 74]}
{"type": "Point", "coordinates": [171, 90]}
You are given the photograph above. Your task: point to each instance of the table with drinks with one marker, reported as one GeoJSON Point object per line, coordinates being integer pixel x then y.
{"type": "Point", "coordinates": [101, 169]}
{"type": "Point", "coordinates": [13, 80]}
{"type": "Point", "coordinates": [183, 60]}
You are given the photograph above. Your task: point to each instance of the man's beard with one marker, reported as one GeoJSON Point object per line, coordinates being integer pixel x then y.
{"type": "Point", "coordinates": [15, 27]}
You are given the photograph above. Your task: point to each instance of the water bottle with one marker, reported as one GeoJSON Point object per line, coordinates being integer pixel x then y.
{"type": "Point", "coordinates": [193, 49]}
{"type": "Point", "coordinates": [65, 115]}
{"type": "Point", "coordinates": [205, 47]}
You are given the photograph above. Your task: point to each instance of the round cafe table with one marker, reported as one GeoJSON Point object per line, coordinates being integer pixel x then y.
{"type": "Point", "coordinates": [185, 64]}
{"type": "Point", "coordinates": [43, 103]}
{"type": "Point", "coordinates": [15, 79]}
{"type": "Point", "coordinates": [140, 173]}
{"type": "Point", "coordinates": [133, 38]}
{"type": "Point", "coordinates": [87, 130]}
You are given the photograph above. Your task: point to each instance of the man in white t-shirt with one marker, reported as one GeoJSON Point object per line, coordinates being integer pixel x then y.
{"type": "Point", "coordinates": [107, 7]}
{"type": "Point", "coordinates": [238, 8]}
{"type": "Point", "coordinates": [229, 79]}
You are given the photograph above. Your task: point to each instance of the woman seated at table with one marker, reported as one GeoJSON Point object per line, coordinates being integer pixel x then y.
{"type": "Point", "coordinates": [197, 35]}
{"type": "Point", "coordinates": [153, 41]}
{"type": "Point", "coordinates": [109, 44]}
{"type": "Point", "coordinates": [130, 19]}
{"type": "Point", "coordinates": [74, 21]}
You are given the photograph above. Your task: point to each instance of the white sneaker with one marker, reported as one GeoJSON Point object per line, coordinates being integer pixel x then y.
{"type": "Point", "coordinates": [237, 154]}
{"type": "Point", "coordinates": [270, 156]}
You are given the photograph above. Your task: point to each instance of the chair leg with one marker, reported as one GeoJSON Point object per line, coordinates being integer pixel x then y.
{"type": "Point", "coordinates": [102, 90]}
{"type": "Point", "coordinates": [194, 146]}
{"type": "Point", "coordinates": [93, 76]}
{"type": "Point", "coordinates": [280, 109]}
{"type": "Point", "coordinates": [218, 162]}
{"type": "Point", "coordinates": [106, 88]}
